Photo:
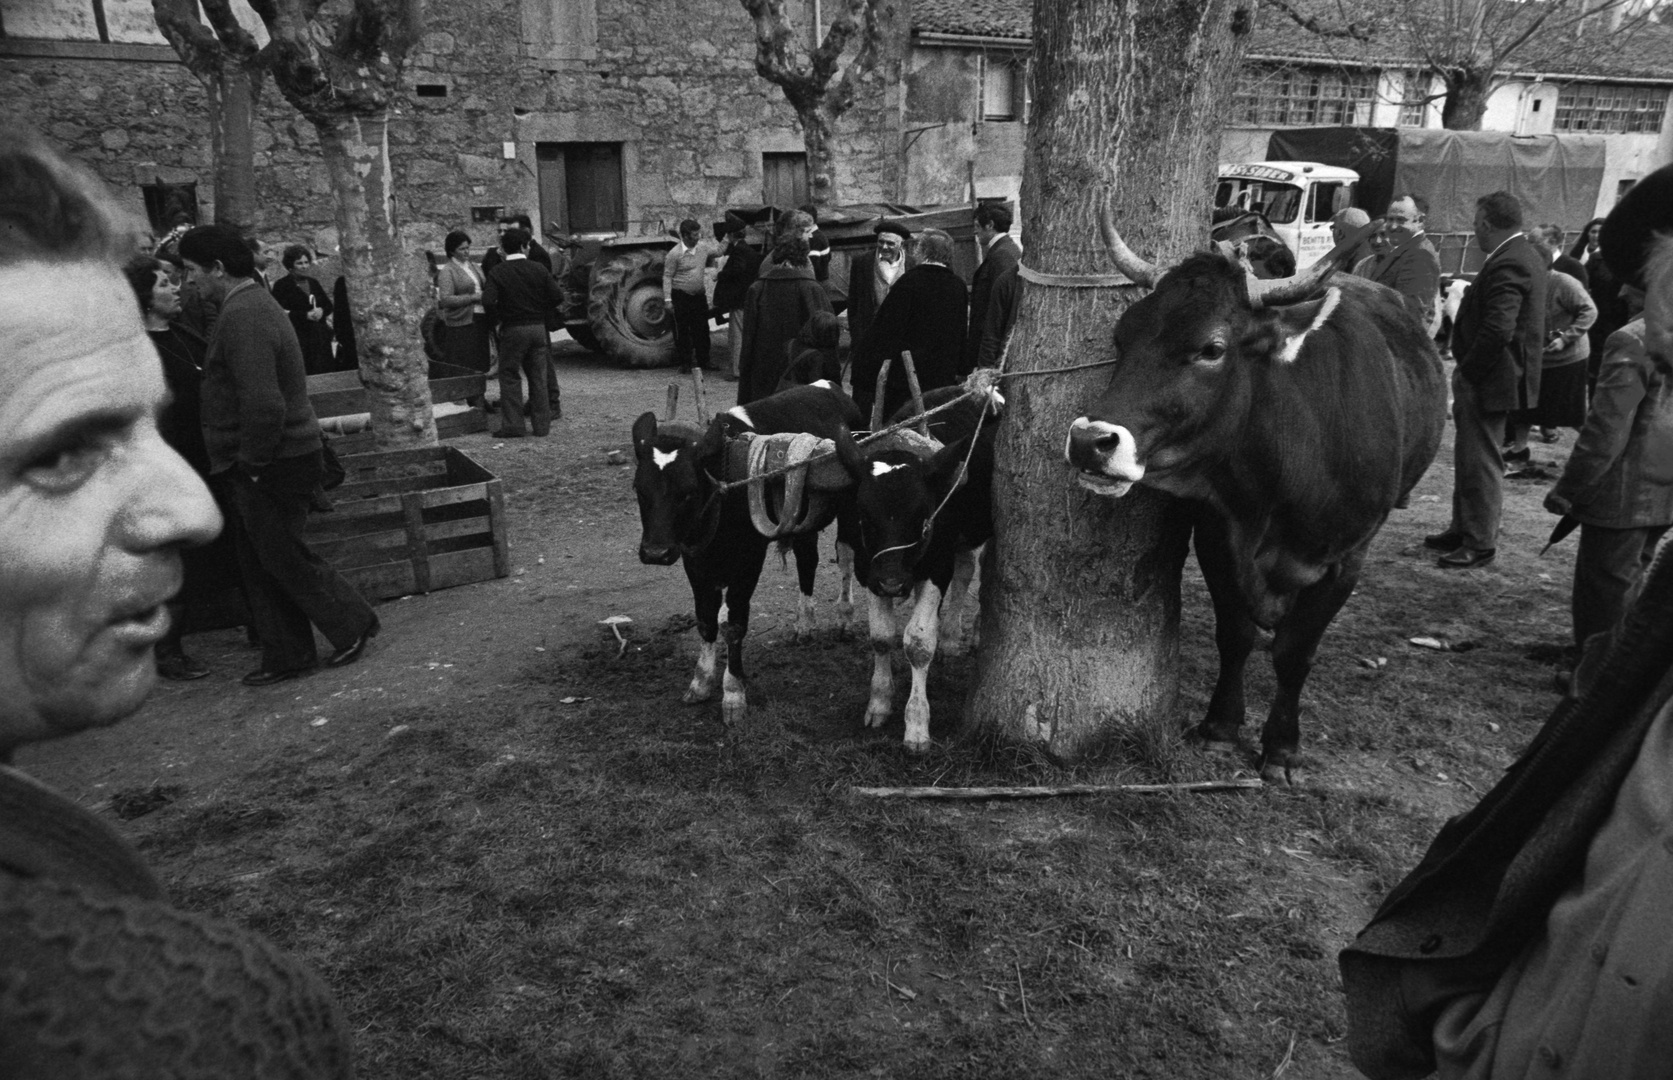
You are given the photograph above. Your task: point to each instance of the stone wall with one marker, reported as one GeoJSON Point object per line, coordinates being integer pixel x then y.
{"type": "Point", "coordinates": [674, 84]}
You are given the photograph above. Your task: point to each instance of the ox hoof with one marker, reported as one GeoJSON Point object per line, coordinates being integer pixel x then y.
{"type": "Point", "coordinates": [804, 636]}
{"type": "Point", "coordinates": [1215, 742]}
{"type": "Point", "coordinates": [876, 717]}
{"type": "Point", "coordinates": [918, 747]}
{"type": "Point", "coordinates": [1282, 770]}
{"type": "Point", "coordinates": [695, 696]}
{"type": "Point", "coordinates": [732, 713]}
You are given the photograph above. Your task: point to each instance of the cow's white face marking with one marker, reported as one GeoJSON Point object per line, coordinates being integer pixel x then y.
{"type": "Point", "coordinates": [742, 415]}
{"type": "Point", "coordinates": [823, 384]}
{"type": "Point", "coordinates": [883, 468]}
{"type": "Point", "coordinates": [663, 458]}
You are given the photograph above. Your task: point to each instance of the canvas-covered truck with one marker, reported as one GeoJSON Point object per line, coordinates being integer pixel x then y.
{"type": "Point", "coordinates": [1313, 172]}
{"type": "Point", "coordinates": [613, 286]}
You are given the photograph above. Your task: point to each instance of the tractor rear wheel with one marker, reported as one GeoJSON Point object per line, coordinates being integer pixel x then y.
{"type": "Point", "coordinates": [630, 320]}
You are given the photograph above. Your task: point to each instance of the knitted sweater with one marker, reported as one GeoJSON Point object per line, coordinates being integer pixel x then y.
{"type": "Point", "coordinates": [255, 389]}
{"type": "Point", "coordinates": [101, 978]}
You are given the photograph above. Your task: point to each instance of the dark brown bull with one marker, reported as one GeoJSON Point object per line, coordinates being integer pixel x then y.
{"type": "Point", "coordinates": [1291, 416]}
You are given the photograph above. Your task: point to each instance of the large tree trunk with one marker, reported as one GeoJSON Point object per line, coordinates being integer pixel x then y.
{"type": "Point", "coordinates": [382, 279]}
{"type": "Point", "coordinates": [1080, 600]}
{"type": "Point", "coordinates": [234, 92]}
{"type": "Point", "coordinates": [821, 157]}
{"type": "Point", "coordinates": [1466, 100]}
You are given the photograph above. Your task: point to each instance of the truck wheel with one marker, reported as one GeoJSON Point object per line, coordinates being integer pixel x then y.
{"type": "Point", "coordinates": [630, 320]}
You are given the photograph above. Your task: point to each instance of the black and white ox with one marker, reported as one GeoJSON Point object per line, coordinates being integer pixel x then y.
{"type": "Point", "coordinates": [1291, 416]}
{"type": "Point", "coordinates": [683, 514]}
{"type": "Point", "coordinates": [922, 513]}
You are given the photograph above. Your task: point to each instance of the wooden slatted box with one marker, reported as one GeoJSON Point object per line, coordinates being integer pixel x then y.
{"type": "Point", "coordinates": [339, 393]}
{"type": "Point", "coordinates": [412, 521]}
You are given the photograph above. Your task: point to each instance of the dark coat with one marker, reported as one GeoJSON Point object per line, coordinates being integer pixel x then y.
{"type": "Point", "coordinates": [314, 335]}
{"type": "Point", "coordinates": [862, 294]}
{"type": "Point", "coordinates": [774, 311]}
{"type": "Point", "coordinates": [1499, 335]}
{"type": "Point", "coordinates": [743, 266]}
{"type": "Point", "coordinates": [1484, 889]}
{"type": "Point", "coordinates": [1412, 269]}
{"type": "Point", "coordinates": [1620, 473]}
{"type": "Point", "coordinates": [182, 349]}
{"type": "Point", "coordinates": [925, 314]}
{"type": "Point", "coordinates": [1002, 256]}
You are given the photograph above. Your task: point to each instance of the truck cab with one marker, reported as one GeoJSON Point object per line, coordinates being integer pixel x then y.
{"type": "Point", "coordinates": [1297, 198]}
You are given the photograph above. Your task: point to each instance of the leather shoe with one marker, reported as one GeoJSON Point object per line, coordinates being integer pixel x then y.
{"type": "Point", "coordinates": [263, 677]}
{"type": "Point", "coordinates": [1444, 541]}
{"type": "Point", "coordinates": [1523, 454]}
{"type": "Point", "coordinates": [178, 667]}
{"type": "Point", "coordinates": [1465, 559]}
{"type": "Point", "coordinates": [349, 654]}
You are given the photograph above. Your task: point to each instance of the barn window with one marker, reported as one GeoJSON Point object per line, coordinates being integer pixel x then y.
{"type": "Point", "coordinates": [1414, 99]}
{"type": "Point", "coordinates": [1002, 89]}
{"type": "Point", "coordinates": [1303, 97]}
{"type": "Point", "coordinates": [1610, 108]}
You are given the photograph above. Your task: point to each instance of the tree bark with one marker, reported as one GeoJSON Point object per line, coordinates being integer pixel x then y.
{"type": "Point", "coordinates": [1466, 100]}
{"type": "Point", "coordinates": [234, 93]}
{"type": "Point", "coordinates": [1080, 594]}
{"type": "Point", "coordinates": [821, 157]}
{"type": "Point", "coordinates": [381, 279]}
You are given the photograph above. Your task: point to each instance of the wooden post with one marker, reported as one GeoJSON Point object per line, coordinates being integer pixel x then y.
{"type": "Point", "coordinates": [702, 399]}
{"type": "Point", "coordinates": [877, 402]}
{"type": "Point", "coordinates": [917, 391]}
{"type": "Point", "coordinates": [673, 402]}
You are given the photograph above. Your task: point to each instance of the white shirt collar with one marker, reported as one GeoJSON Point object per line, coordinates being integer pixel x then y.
{"type": "Point", "coordinates": [519, 255]}
{"type": "Point", "coordinates": [1502, 244]}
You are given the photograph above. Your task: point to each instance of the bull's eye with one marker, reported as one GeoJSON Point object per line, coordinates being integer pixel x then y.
{"type": "Point", "coordinates": [1212, 353]}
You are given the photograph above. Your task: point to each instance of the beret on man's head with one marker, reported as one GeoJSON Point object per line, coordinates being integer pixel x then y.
{"type": "Point", "coordinates": [1641, 214]}
{"type": "Point", "coordinates": [1351, 218]}
{"type": "Point", "coordinates": [893, 227]}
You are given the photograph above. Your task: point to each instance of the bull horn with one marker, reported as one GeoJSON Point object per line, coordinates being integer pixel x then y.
{"type": "Point", "coordinates": [1139, 271]}
{"type": "Point", "coordinates": [1289, 290]}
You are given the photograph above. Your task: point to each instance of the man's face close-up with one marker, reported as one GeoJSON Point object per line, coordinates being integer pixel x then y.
{"type": "Point", "coordinates": [1402, 220]}
{"type": "Point", "coordinates": [890, 247]}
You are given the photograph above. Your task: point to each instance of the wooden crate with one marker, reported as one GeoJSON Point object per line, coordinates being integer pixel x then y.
{"type": "Point", "coordinates": [412, 521]}
{"type": "Point", "coordinates": [339, 393]}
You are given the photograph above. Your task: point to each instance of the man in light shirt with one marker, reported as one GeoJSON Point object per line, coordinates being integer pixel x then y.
{"type": "Point", "coordinates": [683, 288]}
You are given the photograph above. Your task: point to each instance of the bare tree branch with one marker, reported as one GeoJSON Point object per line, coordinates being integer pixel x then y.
{"type": "Point", "coordinates": [1311, 23]}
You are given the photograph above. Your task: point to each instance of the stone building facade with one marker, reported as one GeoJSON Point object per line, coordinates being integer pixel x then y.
{"type": "Point", "coordinates": [619, 116]}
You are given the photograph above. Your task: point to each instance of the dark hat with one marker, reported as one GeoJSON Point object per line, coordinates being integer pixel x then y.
{"type": "Point", "coordinates": [1627, 232]}
{"type": "Point", "coordinates": [893, 227]}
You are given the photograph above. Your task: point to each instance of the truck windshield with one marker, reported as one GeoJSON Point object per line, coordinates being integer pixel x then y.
{"type": "Point", "coordinates": [1279, 202]}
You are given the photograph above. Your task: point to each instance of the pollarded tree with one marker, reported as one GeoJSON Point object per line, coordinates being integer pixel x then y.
{"type": "Point", "coordinates": [821, 82]}
{"type": "Point", "coordinates": [339, 64]}
{"type": "Point", "coordinates": [1080, 601]}
{"type": "Point", "coordinates": [224, 60]}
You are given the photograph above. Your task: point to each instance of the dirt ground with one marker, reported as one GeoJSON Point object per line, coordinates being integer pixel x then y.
{"type": "Point", "coordinates": [513, 853]}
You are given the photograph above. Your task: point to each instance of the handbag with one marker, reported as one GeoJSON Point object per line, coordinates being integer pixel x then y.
{"type": "Point", "coordinates": [332, 472]}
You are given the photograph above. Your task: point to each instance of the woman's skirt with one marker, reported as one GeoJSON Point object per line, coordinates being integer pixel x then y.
{"type": "Point", "coordinates": [467, 346]}
{"type": "Point", "coordinates": [1562, 398]}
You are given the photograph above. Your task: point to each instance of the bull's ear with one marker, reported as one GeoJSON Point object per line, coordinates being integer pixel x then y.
{"type": "Point", "coordinates": [1285, 329]}
{"type": "Point", "coordinates": [849, 453]}
{"type": "Point", "coordinates": [714, 439]}
{"type": "Point", "coordinates": [644, 434]}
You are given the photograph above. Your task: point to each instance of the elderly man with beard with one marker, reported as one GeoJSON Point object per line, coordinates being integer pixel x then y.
{"type": "Point", "coordinates": [872, 274]}
{"type": "Point", "coordinates": [924, 314]}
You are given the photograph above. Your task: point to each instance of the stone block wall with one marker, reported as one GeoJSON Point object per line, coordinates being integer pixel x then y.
{"type": "Point", "coordinates": [674, 84]}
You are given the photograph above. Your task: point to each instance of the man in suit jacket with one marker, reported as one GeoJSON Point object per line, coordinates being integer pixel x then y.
{"type": "Point", "coordinates": [1532, 938]}
{"type": "Point", "coordinates": [872, 274]}
{"type": "Point", "coordinates": [999, 253]}
{"type": "Point", "coordinates": [924, 314]}
{"type": "Point", "coordinates": [1409, 265]}
{"type": "Point", "coordinates": [1497, 339]}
